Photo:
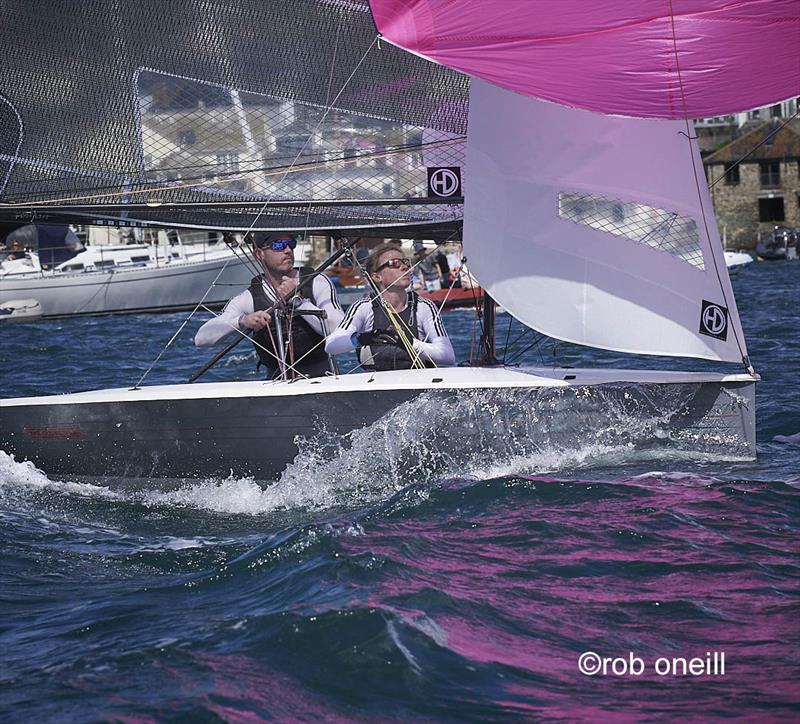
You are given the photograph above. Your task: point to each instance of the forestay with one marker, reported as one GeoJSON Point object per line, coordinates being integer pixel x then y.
{"type": "Point", "coordinates": [595, 229]}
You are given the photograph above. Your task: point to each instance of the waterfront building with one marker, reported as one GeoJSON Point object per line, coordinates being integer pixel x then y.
{"type": "Point", "coordinates": [755, 182]}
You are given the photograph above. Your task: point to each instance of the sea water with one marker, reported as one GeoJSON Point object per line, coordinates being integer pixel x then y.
{"type": "Point", "coordinates": [596, 582]}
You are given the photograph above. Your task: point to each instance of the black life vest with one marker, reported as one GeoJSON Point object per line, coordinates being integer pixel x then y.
{"type": "Point", "coordinates": [381, 356]}
{"type": "Point", "coordinates": [306, 344]}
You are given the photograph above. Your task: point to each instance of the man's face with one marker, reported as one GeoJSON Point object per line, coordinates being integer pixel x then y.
{"type": "Point", "coordinates": [392, 271]}
{"type": "Point", "coordinates": [277, 263]}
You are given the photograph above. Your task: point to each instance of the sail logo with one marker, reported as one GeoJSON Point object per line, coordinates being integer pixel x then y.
{"type": "Point", "coordinates": [444, 181]}
{"type": "Point", "coordinates": [714, 320]}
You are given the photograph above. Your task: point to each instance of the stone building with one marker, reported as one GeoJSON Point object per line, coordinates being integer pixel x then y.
{"type": "Point", "coordinates": [755, 182]}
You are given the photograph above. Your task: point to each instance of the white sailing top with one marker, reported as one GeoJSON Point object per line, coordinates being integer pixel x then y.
{"type": "Point", "coordinates": [434, 343]}
{"type": "Point", "coordinates": [227, 322]}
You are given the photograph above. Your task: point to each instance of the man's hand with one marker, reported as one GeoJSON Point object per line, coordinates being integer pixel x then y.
{"type": "Point", "coordinates": [286, 286]}
{"type": "Point", "coordinates": [378, 336]}
{"type": "Point", "coordinates": [256, 320]}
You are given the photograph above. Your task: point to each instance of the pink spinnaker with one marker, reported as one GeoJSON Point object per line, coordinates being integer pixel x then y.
{"type": "Point", "coordinates": [645, 58]}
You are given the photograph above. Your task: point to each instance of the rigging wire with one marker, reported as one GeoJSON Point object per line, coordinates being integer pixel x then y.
{"type": "Point", "coordinates": [535, 343]}
{"type": "Point", "coordinates": [180, 329]}
{"type": "Point", "coordinates": [711, 245]}
{"type": "Point", "coordinates": [260, 213]}
{"type": "Point", "coordinates": [764, 140]}
{"type": "Point", "coordinates": [394, 318]}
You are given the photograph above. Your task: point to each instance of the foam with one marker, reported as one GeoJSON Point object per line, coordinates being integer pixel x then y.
{"type": "Point", "coordinates": [480, 433]}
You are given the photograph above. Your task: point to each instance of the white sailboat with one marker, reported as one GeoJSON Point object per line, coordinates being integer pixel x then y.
{"type": "Point", "coordinates": [126, 278]}
{"type": "Point", "coordinates": [589, 228]}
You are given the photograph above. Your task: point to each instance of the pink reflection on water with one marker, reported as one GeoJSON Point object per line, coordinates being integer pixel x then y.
{"type": "Point", "coordinates": [673, 568]}
{"type": "Point", "coordinates": [258, 693]}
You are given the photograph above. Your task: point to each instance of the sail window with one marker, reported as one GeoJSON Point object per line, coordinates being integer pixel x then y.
{"type": "Point", "coordinates": [657, 228]}
{"type": "Point", "coordinates": [238, 145]}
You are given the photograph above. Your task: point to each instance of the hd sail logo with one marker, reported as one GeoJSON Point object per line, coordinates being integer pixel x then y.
{"type": "Point", "coordinates": [714, 320]}
{"type": "Point", "coordinates": [444, 181]}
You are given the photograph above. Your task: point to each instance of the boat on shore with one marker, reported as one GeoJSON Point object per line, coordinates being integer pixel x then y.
{"type": "Point", "coordinates": [737, 259]}
{"type": "Point", "coordinates": [780, 244]}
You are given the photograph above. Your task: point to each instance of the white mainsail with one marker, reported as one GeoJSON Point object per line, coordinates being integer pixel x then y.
{"type": "Point", "coordinates": [597, 230]}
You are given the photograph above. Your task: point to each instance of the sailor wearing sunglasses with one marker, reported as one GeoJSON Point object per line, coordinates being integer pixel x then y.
{"type": "Point", "coordinates": [396, 329]}
{"type": "Point", "coordinates": [303, 325]}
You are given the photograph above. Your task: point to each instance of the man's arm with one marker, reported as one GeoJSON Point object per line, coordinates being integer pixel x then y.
{"type": "Point", "coordinates": [435, 344]}
{"type": "Point", "coordinates": [345, 337]}
{"type": "Point", "coordinates": [325, 294]}
{"type": "Point", "coordinates": [227, 322]}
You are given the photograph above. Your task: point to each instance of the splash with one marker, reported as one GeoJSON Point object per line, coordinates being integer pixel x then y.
{"type": "Point", "coordinates": [439, 435]}
{"type": "Point", "coordinates": [232, 495]}
{"type": "Point", "coordinates": [488, 433]}
{"type": "Point", "coordinates": [21, 478]}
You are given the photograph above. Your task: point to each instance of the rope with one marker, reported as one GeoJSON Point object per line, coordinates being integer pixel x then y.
{"type": "Point", "coordinates": [755, 148]}
{"type": "Point", "coordinates": [259, 215]}
{"type": "Point", "coordinates": [180, 329]}
{"type": "Point", "coordinates": [395, 320]}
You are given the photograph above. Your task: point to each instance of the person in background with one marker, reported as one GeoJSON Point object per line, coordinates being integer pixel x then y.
{"type": "Point", "coordinates": [305, 323]}
{"type": "Point", "coordinates": [427, 267]}
{"type": "Point", "coordinates": [15, 250]}
{"type": "Point", "coordinates": [444, 268]}
{"type": "Point", "coordinates": [395, 329]}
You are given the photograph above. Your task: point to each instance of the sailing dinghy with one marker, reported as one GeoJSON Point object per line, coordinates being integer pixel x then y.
{"type": "Point", "coordinates": [585, 215]}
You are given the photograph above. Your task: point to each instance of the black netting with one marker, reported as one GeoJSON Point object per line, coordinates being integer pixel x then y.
{"type": "Point", "coordinates": [217, 102]}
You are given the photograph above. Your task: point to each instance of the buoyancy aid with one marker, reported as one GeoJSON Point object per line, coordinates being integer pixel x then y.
{"type": "Point", "coordinates": [379, 355]}
{"type": "Point", "coordinates": [306, 344]}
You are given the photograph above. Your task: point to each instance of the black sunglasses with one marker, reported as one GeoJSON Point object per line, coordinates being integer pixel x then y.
{"type": "Point", "coordinates": [394, 264]}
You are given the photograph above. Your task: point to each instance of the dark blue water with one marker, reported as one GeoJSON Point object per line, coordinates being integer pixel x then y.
{"type": "Point", "coordinates": [338, 594]}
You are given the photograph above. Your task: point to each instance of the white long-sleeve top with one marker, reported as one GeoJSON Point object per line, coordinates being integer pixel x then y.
{"type": "Point", "coordinates": [227, 322]}
{"type": "Point", "coordinates": [433, 342]}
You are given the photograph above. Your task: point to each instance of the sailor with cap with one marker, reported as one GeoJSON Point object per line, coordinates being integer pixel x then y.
{"type": "Point", "coordinates": [298, 340]}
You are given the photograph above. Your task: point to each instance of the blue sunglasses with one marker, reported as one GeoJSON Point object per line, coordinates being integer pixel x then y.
{"type": "Point", "coordinates": [280, 244]}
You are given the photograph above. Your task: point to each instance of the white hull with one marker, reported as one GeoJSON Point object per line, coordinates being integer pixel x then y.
{"type": "Point", "coordinates": [20, 310]}
{"type": "Point", "coordinates": [734, 259]}
{"type": "Point", "coordinates": [170, 287]}
{"type": "Point", "coordinates": [257, 428]}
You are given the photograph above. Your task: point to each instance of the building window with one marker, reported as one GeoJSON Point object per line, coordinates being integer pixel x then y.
{"type": "Point", "coordinates": [771, 209]}
{"type": "Point", "coordinates": [187, 137]}
{"type": "Point", "coordinates": [770, 174]}
{"type": "Point", "coordinates": [731, 174]}
{"type": "Point", "coordinates": [228, 162]}
{"type": "Point", "coordinates": [775, 111]}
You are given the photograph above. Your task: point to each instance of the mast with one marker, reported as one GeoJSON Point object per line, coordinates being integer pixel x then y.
{"type": "Point", "coordinates": [488, 335]}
